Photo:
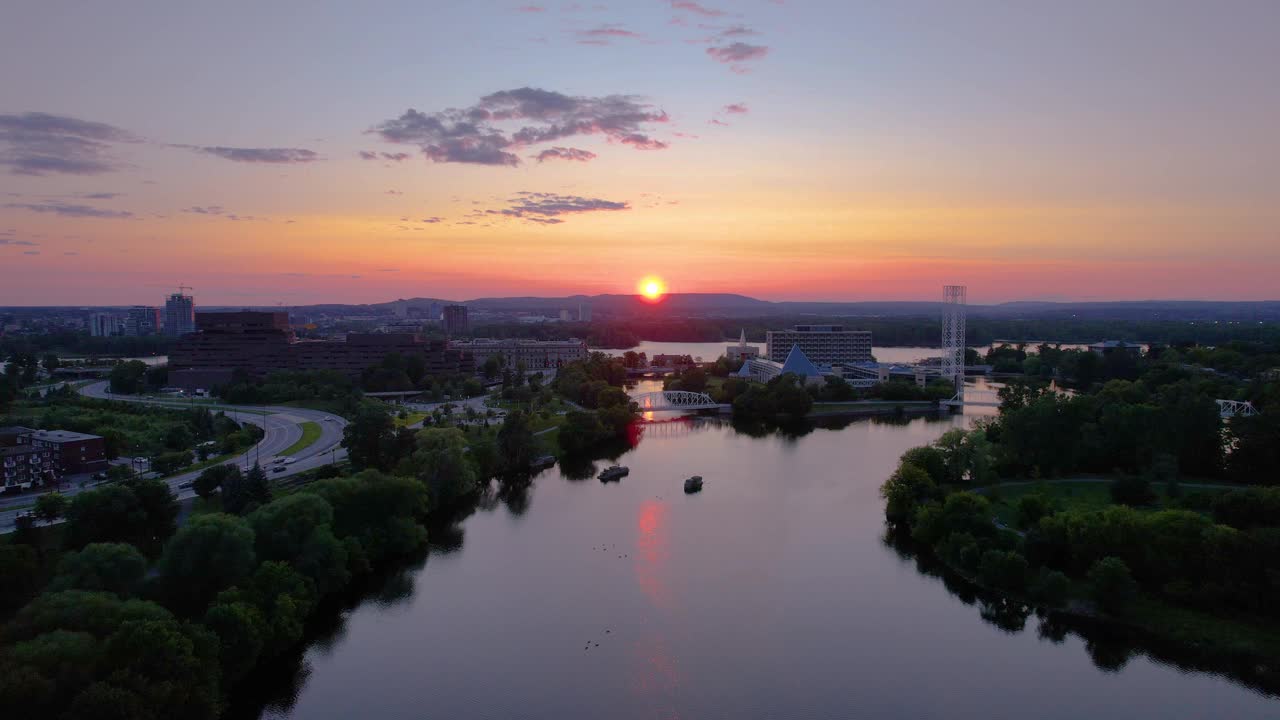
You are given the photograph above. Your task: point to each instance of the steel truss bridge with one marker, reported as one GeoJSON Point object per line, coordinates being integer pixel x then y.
{"type": "Point", "coordinates": [1236, 408]}
{"type": "Point", "coordinates": [675, 400]}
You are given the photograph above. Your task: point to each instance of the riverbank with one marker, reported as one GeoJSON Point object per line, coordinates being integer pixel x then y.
{"type": "Point", "coordinates": [867, 408]}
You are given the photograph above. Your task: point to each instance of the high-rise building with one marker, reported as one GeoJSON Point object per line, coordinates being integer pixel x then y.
{"type": "Point", "coordinates": [455, 320]}
{"type": "Point", "coordinates": [179, 315]}
{"type": "Point", "coordinates": [106, 324]}
{"type": "Point", "coordinates": [584, 312]}
{"type": "Point", "coordinates": [824, 345]}
{"type": "Point", "coordinates": [142, 320]}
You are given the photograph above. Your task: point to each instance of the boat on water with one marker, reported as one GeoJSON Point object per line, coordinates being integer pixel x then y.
{"type": "Point", "coordinates": [613, 472]}
{"type": "Point", "coordinates": [693, 484]}
{"type": "Point", "coordinates": [541, 462]}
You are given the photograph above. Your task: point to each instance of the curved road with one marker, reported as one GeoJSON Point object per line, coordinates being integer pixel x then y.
{"type": "Point", "coordinates": [282, 426]}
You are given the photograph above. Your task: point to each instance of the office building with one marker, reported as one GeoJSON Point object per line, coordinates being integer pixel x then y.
{"type": "Point", "coordinates": [536, 355]}
{"type": "Point", "coordinates": [824, 345]}
{"type": "Point", "coordinates": [179, 315]}
{"type": "Point", "coordinates": [584, 312]}
{"type": "Point", "coordinates": [106, 324]}
{"type": "Point", "coordinates": [73, 452]}
{"type": "Point", "coordinates": [259, 343]}
{"type": "Point", "coordinates": [142, 320]}
{"type": "Point", "coordinates": [455, 320]}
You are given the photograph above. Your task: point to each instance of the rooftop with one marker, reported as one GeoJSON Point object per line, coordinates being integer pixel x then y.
{"type": "Point", "coordinates": [63, 436]}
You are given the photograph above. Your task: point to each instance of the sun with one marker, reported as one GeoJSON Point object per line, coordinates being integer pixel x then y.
{"type": "Point", "coordinates": [652, 288]}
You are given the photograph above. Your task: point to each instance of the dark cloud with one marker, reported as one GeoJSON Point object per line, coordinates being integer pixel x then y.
{"type": "Point", "coordinates": [642, 142]}
{"type": "Point", "coordinates": [368, 155]}
{"type": "Point", "coordinates": [737, 109]}
{"type": "Point", "coordinates": [25, 243]}
{"type": "Point", "coordinates": [737, 31]}
{"type": "Point", "coordinates": [530, 9]}
{"type": "Point", "coordinates": [565, 153]}
{"type": "Point", "coordinates": [546, 208]}
{"type": "Point", "coordinates": [433, 219]}
{"type": "Point", "coordinates": [100, 196]}
{"type": "Point", "coordinates": [737, 52]}
{"type": "Point", "coordinates": [695, 7]}
{"type": "Point", "coordinates": [473, 135]}
{"type": "Point", "coordinates": [274, 156]}
{"type": "Point", "coordinates": [57, 207]}
{"type": "Point", "coordinates": [38, 143]}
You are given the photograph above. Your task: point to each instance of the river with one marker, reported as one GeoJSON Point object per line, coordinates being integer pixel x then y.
{"type": "Point", "coordinates": [772, 594]}
{"type": "Point", "coordinates": [708, 352]}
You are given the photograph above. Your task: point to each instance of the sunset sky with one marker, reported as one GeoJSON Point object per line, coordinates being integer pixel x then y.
{"type": "Point", "coordinates": [303, 152]}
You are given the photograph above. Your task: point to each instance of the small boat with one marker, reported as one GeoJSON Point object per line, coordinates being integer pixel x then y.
{"type": "Point", "coordinates": [544, 461]}
{"type": "Point", "coordinates": [693, 484]}
{"type": "Point", "coordinates": [613, 472]}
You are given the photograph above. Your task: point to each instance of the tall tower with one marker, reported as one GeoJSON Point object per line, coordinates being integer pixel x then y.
{"type": "Point", "coordinates": [953, 341]}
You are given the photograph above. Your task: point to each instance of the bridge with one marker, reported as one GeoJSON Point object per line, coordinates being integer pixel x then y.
{"type": "Point", "coordinates": [974, 397]}
{"type": "Point", "coordinates": [674, 400]}
{"type": "Point", "coordinates": [1236, 408]}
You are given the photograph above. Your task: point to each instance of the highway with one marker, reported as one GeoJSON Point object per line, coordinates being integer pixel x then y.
{"type": "Point", "coordinates": [282, 427]}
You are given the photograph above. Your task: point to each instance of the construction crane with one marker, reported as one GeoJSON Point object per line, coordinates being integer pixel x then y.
{"type": "Point", "coordinates": [184, 287]}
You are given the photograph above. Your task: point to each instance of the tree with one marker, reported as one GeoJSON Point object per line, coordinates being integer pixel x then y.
{"type": "Point", "coordinates": [213, 478]}
{"type": "Point", "coordinates": [440, 462]}
{"type": "Point", "coordinates": [20, 568]}
{"type": "Point", "coordinates": [140, 512]}
{"type": "Point", "coordinates": [51, 506]}
{"type": "Point", "coordinates": [1031, 508]}
{"type": "Point", "coordinates": [241, 631]}
{"type": "Point", "coordinates": [242, 493]}
{"type": "Point", "coordinates": [368, 436]}
{"type": "Point", "coordinates": [515, 442]}
{"type": "Point", "coordinates": [1113, 586]}
{"type": "Point", "coordinates": [173, 668]}
{"type": "Point", "coordinates": [581, 430]}
{"type": "Point", "coordinates": [379, 511]}
{"type": "Point", "coordinates": [1132, 490]}
{"type": "Point", "coordinates": [1051, 588]}
{"type": "Point", "coordinates": [128, 378]}
{"type": "Point", "coordinates": [297, 529]}
{"type": "Point", "coordinates": [929, 459]}
{"type": "Point", "coordinates": [905, 490]}
{"type": "Point", "coordinates": [1003, 570]}
{"type": "Point", "coordinates": [210, 553]}
{"type": "Point", "coordinates": [116, 568]}
{"type": "Point", "coordinates": [171, 462]}
{"type": "Point", "coordinates": [51, 362]}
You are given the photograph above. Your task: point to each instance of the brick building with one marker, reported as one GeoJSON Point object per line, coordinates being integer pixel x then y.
{"type": "Point", "coordinates": [74, 452]}
{"type": "Point", "coordinates": [26, 466]}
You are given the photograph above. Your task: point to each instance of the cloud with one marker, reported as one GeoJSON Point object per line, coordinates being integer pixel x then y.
{"type": "Point", "coordinates": [530, 9]}
{"type": "Point", "coordinates": [274, 156]}
{"type": "Point", "coordinates": [387, 270]}
{"type": "Point", "coordinates": [393, 157]}
{"type": "Point", "coordinates": [26, 243]}
{"type": "Point", "coordinates": [31, 252]}
{"type": "Point", "coordinates": [737, 31]}
{"type": "Point", "coordinates": [643, 142]}
{"type": "Point", "coordinates": [37, 143]}
{"type": "Point", "coordinates": [395, 192]}
{"type": "Point", "coordinates": [546, 208]}
{"type": "Point", "coordinates": [100, 196]}
{"type": "Point", "coordinates": [737, 52]}
{"type": "Point", "coordinates": [474, 135]}
{"type": "Point", "coordinates": [58, 207]}
{"type": "Point", "coordinates": [217, 210]}
{"type": "Point", "coordinates": [603, 34]}
{"type": "Point", "coordinates": [433, 219]}
{"type": "Point", "coordinates": [565, 153]}
{"type": "Point", "coordinates": [696, 8]}
{"type": "Point", "coordinates": [717, 121]}
{"type": "Point", "coordinates": [737, 109]}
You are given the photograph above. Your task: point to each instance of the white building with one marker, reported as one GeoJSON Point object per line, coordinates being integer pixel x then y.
{"type": "Point", "coordinates": [824, 345]}
{"type": "Point", "coordinates": [763, 369]}
{"type": "Point", "coordinates": [536, 355]}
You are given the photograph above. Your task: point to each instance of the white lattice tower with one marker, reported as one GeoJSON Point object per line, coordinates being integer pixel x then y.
{"type": "Point", "coordinates": [953, 340]}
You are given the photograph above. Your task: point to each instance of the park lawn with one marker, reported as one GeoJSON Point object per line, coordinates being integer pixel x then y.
{"type": "Point", "coordinates": [411, 419]}
{"type": "Point", "coordinates": [310, 434]}
{"type": "Point", "coordinates": [1072, 495]}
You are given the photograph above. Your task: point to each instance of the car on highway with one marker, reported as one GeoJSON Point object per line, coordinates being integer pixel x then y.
{"type": "Point", "coordinates": [279, 468]}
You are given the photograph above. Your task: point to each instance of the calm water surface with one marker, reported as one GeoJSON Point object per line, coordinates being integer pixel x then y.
{"type": "Point", "coordinates": [710, 351]}
{"type": "Point", "coordinates": [771, 594]}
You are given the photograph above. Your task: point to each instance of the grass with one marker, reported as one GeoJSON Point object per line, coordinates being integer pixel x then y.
{"type": "Point", "coordinates": [1072, 495]}
{"type": "Point", "coordinates": [310, 434]}
{"type": "Point", "coordinates": [411, 419]}
{"type": "Point", "coordinates": [218, 460]}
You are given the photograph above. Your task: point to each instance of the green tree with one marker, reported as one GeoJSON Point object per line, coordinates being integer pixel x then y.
{"type": "Point", "coordinates": [171, 462]}
{"type": "Point", "coordinates": [905, 490]}
{"type": "Point", "coordinates": [297, 529]}
{"type": "Point", "coordinates": [20, 568]}
{"type": "Point", "coordinates": [51, 506]}
{"type": "Point", "coordinates": [140, 512]}
{"type": "Point", "coordinates": [242, 632]}
{"type": "Point", "coordinates": [210, 553]}
{"type": "Point", "coordinates": [215, 477]}
{"type": "Point", "coordinates": [116, 568]}
{"type": "Point", "coordinates": [380, 511]}
{"type": "Point", "coordinates": [242, 493]}
{"type": "Point", "coordinates": [515, 442]}
{"type": "Point", "coordinates": [368, 438]}
{"type": "Point", "coordinates": [128, 378]}
{"type": "Point", "coordinates": [1113, 585]}
{"type": "Point", "coordinates": [1132, 490]}
{"type": "Point", "coordinates": [440, 461]}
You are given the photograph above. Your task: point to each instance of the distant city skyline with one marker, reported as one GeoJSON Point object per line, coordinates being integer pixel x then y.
{"type": "Point", "coordinates": [781, 150]}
